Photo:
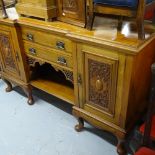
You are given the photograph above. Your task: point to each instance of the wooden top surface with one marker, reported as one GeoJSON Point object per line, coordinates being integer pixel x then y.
{"type": "Point", "coordinates": [104, 33]}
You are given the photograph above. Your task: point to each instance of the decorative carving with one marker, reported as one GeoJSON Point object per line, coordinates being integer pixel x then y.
{"type": "Point", "coordinates": [32, 61]}
{"type": "Point", "coordinates": [68, 74]}
{"type": "Point", "coordinates": [70, 5]}
{"type": "Point", "coordinates": [6, 50]}
{"type": "Point", "coordinates": [99, 83]}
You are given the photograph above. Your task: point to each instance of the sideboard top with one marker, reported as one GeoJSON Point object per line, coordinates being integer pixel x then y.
{"type": "Point", "coordinates": [102, 36]}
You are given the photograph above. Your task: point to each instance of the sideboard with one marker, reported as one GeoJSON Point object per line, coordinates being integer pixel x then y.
{"type": "Point", "coordinates": [106, 80]}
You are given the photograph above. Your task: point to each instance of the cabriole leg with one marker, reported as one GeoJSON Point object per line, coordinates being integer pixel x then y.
{"type": "Point", "coordinates": [79, 126]}
{"type": "Point", "coordinates": [9, 85]}
{"type": "Point", "coordinates": [121, 149]}
{"type": "Point", "coordinates": [28, 90]}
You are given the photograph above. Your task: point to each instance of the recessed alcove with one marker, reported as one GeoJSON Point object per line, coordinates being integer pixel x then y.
{"type": "Point", "coordinates": [55, 81]}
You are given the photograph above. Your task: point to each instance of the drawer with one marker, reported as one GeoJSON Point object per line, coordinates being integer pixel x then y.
{"type": "Point", "coordinates": [48, 55]}
{"type": "Point", "coordinates": [50, 40]}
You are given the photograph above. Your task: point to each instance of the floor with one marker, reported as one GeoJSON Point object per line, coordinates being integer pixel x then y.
{"type": "Point", "coordinates": [46, 128]}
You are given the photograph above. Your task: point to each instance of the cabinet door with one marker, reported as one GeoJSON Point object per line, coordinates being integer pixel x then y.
{"type": "Point", "coordinates": [9, 57]}
{"type": "Point", "coordinates": [72, 11]}
{"type": "Point", "coordinates": [100, 83]}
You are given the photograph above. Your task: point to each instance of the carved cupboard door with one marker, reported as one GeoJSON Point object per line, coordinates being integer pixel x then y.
{"type": "Point", "coordinates": [8, 55]}
{"type": "Point", "coordinates": [99, 82]}
{"type": "Point", "coordinates": [72, 11]}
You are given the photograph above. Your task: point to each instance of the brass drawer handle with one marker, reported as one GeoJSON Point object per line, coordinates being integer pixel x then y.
{"type": "Point", "coordinates": [62, 61]}
{"type": "Point", "coordinates": [60, 45]}
{"type": "Point", "coordinates": [32, 51]}
{"type": "Point", "coordinates": [30, 37]}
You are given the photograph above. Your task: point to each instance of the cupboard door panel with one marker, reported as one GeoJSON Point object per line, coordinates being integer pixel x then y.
{"type": "Point", "coordinates": [101, 77]}
{"type": "Point", "coordinates": [8, 55]}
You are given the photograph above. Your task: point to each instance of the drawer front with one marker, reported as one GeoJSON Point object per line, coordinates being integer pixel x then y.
{"type": "Point", "coordinates": [49, 55]}
{"type": "Point", "coordinates": [50, 40]}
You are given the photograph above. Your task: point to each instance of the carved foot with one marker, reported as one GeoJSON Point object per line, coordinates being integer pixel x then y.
{"type": "Point", "coordinates": [79, 126]}
{"type": "Point", "coordinates": [121, 149]}
{"type": "Point", "coordinates": [9, 85]}
{"type": "Point", "coordinates": [30, 101]}
{"type": "Point", "coordinates": [28, 91]}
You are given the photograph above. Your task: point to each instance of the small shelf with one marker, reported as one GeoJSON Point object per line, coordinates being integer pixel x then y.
{"type": "Point", "coordinates": [53, 82]}
{"type": "Point", "coordinates": [63, 92]}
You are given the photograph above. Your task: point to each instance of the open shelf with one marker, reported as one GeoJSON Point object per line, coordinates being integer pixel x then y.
{"type": "Point", "coordinates": [53, 82]}
{"type": "Point", "coordinates": [55, 89]}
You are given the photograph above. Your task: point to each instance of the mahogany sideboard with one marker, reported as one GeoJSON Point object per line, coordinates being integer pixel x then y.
{"type": "Point", "coordinates": [106, 81]}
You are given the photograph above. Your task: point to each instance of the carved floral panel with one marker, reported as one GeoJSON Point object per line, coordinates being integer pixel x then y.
{"type": "Point", "coordinates": [7, 52]}
{"type": "Point", "coordinates": [102, 78]}
{"type": "Point", "coordinates": [68, 74]}
{"type": "Point", "coordinates": [99, 83]}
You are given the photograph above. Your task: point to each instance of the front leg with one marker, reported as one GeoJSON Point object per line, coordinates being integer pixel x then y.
{"type": "Point", "coordinates": [9, 85]}
{"type": "Point", "coordinates": [28, 91]}
{"type": "Point", "coordinates": [121, 149]}
{"type": "Point", "coordinates": [79, 126]}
